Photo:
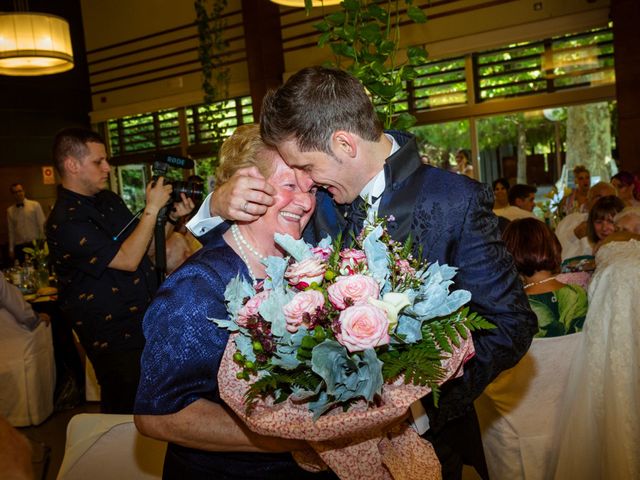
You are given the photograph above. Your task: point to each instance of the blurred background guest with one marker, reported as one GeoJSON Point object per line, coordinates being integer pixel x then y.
{"type": "Point", "coordinates": [13, 307]}
{"type": "Point", "coordinates": [500, 193]}
{"type": "Point", "coordinates": [576, 201]}
{"type": "Point", "coordinates": [521, 203]}
{"type": "Point", "coordinates": [628, 187]}
{"type": "Point", "coordinates": [600, 223]}
{"type": "Point", "coordinates": [463, 162]}
{"type": "Point", "coordinates": [572, 229]}
{"type": "Point", "coordinates": [560, 308]}
{"type": "Point", "coordinates": [25, 221]}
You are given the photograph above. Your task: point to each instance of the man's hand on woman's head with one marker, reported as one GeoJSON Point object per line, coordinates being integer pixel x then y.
{"type": "Point", "coordinates": [244, 197]}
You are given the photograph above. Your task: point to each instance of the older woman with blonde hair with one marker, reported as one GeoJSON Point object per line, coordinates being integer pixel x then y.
{"type": "Point", "coordinates": [178, 399]}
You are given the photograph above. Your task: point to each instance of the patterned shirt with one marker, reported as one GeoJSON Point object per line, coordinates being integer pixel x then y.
{"type": "Point", "coordinates": [104, 305]}
{"type": "Point", "coordinates": [25, 223]}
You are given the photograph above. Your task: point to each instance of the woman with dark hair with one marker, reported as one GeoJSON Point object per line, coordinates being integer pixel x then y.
{"type": "Point", "coordinates": [600, 222]}
{"type": "Point", "coordinates": [500, 193]}
{"type": "Point", "coordinates": [463, 162]}
{"type": "Point", "coordinates": [560, 308]}
{"type": "Point", "coordinates": [628, 186]}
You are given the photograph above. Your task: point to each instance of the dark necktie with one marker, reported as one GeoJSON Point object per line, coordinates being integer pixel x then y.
{"type": "Point", "coordinates": [356, 214]}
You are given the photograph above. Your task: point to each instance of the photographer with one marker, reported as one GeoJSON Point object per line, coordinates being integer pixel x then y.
{"type": "Point", "coordinates": [98, 248]}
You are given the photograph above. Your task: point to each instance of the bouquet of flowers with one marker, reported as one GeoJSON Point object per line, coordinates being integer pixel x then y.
{"type": "Point", "coordinates": [336, 343]}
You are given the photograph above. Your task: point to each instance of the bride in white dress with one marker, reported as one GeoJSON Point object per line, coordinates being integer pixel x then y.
{"type": "Point", "coordinates": [599, 429]}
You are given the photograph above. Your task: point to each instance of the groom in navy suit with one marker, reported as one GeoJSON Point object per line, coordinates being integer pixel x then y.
{"type": "Point", "coordinates": [324, 125]}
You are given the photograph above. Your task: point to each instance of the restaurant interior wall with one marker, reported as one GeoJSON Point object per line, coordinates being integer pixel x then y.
{"type": "Point", "coordinates": [143, 56]}
{"type": "Point", "coordinates": [141, 63]}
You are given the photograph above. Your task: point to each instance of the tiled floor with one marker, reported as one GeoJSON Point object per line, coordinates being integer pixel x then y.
{"type": "Point", "coordinates": [52, 433]}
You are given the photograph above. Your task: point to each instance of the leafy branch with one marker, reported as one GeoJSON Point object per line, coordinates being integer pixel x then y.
{"type": "Point", "coordinates": [420, 362]}
{"type": "Point", "coordinates": [365, 39]}
{"type": "Point", "coordinates": [215, 76]}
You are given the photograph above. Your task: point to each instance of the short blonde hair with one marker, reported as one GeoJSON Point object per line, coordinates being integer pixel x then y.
{"type": "Point", "coordinates": [243, 149]}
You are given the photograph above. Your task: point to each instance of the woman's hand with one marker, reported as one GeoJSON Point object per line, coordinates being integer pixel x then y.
{"type": "Point", "coordinates": [244, 197]}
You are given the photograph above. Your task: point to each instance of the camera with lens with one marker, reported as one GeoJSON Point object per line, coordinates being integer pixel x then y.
{"type": "Point", "coordinates": [192, 188]}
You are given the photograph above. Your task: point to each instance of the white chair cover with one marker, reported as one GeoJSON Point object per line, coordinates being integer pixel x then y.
{"type": "Point", "coordinates": [599, 429]}
{"type": "Point", "coordinates": [27, 372]}
{"type": "Point", "coordinates": [107, 447]}
{"type": "Point", "coordinates": [519, 409]}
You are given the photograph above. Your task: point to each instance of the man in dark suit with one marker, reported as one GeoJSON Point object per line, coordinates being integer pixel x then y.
{"type": "Point", "coordinates": [325, 127]}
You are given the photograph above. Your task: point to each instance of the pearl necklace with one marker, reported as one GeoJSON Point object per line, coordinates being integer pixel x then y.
{"type": "Point", "coordinates": [239, 238]}
{"type": "Point", "coordinates": [539, 282]}
{"type": "Point", "coordinates": [240, 241]}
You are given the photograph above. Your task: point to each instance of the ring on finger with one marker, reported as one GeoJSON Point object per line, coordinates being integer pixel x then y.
{"type": "Point", "coordinates": [245, 206]}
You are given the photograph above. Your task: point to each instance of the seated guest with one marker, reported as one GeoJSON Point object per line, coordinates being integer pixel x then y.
{"type": "Point", "coordinates": [15, 309]}
{"type": "Point", "coordinates": [178, 399]}
{"type": "Point", "coordinates": [598, 432]}
{"type": "Point", "coordinates": [521, 203]}
{"type": "Point", "coordinates": [627, 224]}
{"type": "Point", "coordinates": [500, 193]}
{"type": "Point", "coordinates": [600, 223]}
{"type": "Point", "coordinates": [628, 187]}
{"type": "Point", "coordinates": [572, 229]}
{"type": "Point", "coordinates": [577, 200]}
{"type": "Point", "coordinates": [560, 308]}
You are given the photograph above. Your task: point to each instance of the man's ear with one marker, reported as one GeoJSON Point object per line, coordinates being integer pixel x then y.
{"type": "Point", "coordinates": [345, 143]}
{"type": "Point", "coordinates": [71, 164]}
{"type": "Point", "coordinates": [518, 202]}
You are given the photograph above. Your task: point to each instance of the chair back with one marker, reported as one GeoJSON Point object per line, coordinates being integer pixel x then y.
{"type": "Point", "coordinates": [103, 447]}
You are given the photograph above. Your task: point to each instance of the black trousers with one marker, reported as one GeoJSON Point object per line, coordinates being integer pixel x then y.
{"type": "Point", "coordinates": [459, 443]}
{"type": "Point", "coordinates": [118, 374]}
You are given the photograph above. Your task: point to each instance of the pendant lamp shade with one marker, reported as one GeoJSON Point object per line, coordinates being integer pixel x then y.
{"type": "Point", "coordinates": [34, 44]}
{"type": "Point", "coordinates": [300, 3]}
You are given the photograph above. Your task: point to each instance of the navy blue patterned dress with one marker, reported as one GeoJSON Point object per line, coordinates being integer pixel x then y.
{"type": "Point", "coordinates": [180, 364]}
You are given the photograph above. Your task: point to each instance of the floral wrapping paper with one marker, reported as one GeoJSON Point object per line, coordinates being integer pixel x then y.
{"type": "Point", "coordinates": [355, 444]}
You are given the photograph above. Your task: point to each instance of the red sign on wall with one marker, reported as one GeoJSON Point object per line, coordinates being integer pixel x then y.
{"type": "Point", "coordinates": [48, 177]}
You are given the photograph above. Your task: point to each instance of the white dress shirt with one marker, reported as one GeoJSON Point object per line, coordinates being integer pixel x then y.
{"type": "Point", "coordinates": [25, 223]}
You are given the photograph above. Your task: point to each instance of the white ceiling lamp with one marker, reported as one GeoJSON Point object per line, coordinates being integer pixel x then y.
{"type": "Point", "coordinates": [34, 44]}
{"type": "Point", "coordinates": [300, 3]}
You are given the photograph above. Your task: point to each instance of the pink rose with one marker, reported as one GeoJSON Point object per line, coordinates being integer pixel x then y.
{"type": "Point", "coordinates": [357, 287]}
{"type": "Point", "coordinates": [322, 253]}
{"type": "Point", "coordinates": [352, 261]}
{"type": "Point", "coordinates": [250, 308]}
{"type": "Point", "coordinates": [363, 326]}
{"type": "Point", "coordinates": [304, 273]}
{"type": "Point", "coordinates": [302, 302]}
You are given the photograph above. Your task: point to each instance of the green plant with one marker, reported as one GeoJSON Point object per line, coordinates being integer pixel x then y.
{"type": "Point", "coordinates": [215, 76]}
{"type": "Point", "coordinates": [39, 253]}
{"type": "Point", "coordinates": [364, 36]}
